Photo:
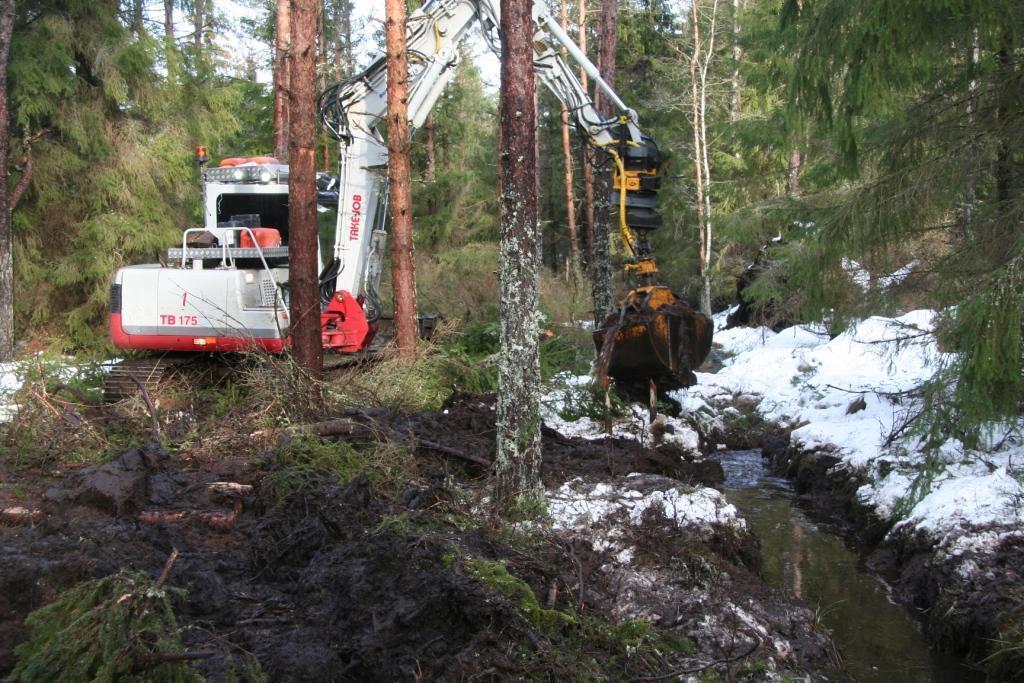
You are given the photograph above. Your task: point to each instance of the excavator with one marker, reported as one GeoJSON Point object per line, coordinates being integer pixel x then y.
{"type": "Point", "coordinates": [224, 288]}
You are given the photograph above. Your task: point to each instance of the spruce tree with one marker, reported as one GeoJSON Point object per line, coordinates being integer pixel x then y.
{"type": "Point", "coordinates": [925, 103]}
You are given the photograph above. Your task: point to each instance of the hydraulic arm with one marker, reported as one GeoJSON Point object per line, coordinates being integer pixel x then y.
{"type": "Point", "coordinates": [353, 110]}
{"type": "Point", "coordinates": [225, 287]}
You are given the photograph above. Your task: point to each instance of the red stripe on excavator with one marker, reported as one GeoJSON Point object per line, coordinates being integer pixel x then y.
{"type": "Point", "coordinates": [177, 342]}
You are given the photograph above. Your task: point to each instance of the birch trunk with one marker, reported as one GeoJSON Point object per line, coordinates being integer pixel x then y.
{"type": "Point", "coordinates": [282, 70]}
{"type": "Point", "coordinates": [698, 158]}
{"type": "Point", "coordinates": [6, 242]}
{"type": "Point", "coordinates": [517, 465]}
{"type": "Point", "coordinates": [302, 222]}
{"type": "Point", "coordinates": [400, 196]}
{"type": "Point", "coordinates": [737, 57]}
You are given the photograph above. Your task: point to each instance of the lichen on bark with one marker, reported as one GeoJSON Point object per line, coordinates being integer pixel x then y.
{"type": "Point", "coordinates": [517, 465]}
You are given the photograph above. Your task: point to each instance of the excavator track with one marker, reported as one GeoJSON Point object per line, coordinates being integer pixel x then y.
{"type": "Point", "coordinates": [121, 380]}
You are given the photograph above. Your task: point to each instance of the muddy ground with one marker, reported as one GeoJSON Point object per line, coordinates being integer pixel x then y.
{"type": "Point", "coordinates": [346, 581]}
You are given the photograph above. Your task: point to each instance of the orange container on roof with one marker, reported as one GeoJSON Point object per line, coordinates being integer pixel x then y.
{"type": "Point", "coordinates": [265, 237]}
{"type": "Point", "coordinates": [240, 161]}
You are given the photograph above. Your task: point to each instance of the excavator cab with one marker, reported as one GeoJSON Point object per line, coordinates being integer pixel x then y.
{"type": "Point", "coordinates": [653, 339]}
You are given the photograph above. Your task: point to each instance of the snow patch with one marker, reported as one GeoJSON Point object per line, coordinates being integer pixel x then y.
{"type": "Point", "coordinates": [604, 510]}
{"type": "Point", "coordinates": [845, 396]}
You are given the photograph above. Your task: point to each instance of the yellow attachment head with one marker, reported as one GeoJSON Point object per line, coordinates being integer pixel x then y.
{"type": "Point", "coordinates": [644, 266]}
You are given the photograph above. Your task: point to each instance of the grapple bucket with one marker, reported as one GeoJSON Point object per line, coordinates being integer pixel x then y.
{"type": "Point", "coordinates": [653, 336]}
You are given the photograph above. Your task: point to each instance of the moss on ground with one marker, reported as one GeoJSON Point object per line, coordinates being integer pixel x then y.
{"type": "Point", "coordinates": [495, 575]}
{"type": "Point", "coordinates": [305, 462]}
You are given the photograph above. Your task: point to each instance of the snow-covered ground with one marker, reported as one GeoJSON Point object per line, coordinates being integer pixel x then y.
{"type": "Point", "coordinates": [570, 390]}
{"type": "Point", "coordinates": [14, 374]}
{"type": "Point", "coordinates": [844, 395]}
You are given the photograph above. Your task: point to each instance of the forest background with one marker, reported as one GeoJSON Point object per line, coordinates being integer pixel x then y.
{"type": "Point", "coordinates": [892, 150]}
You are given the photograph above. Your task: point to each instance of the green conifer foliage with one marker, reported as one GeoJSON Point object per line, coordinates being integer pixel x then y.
{"type": "Point", "coordinates": [112, 182]}
{"type": "Point", "coordinates": [464, 193]}
{"type": "Point", "coordinates": [111, 629]}
{"type": "Point", "coordinates": [926, 105]}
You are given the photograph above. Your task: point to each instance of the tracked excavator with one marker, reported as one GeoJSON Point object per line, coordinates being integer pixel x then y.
{"type": "Point", "coordinates": [225, 286]}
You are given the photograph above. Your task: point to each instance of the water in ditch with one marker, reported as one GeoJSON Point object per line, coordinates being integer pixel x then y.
{"type": "Point", "coordinates": [879, 640]}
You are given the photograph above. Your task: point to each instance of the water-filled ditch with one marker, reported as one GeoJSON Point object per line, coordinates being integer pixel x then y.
{"type": "Point", "coordinates": [878, 639]}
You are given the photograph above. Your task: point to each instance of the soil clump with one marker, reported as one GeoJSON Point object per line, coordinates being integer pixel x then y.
{"type": "Point", "coordinates": [341, 580]}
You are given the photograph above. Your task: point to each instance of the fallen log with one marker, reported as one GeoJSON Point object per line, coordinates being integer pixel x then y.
{"type": "Point", "coordinates": [337, 427]}
{"type": "Point", "coordinates": [18, 515]}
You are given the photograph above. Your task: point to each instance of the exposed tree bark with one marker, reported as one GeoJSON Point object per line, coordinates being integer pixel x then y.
{"type": "Point", "coordinates": [347, 27]}
{"type": "Point", "coordinates": [793, 175]}
{"type": "Point", "coordinates": [698, 76]}
{"type": "Point", "coordinates": [585, 163]}
{"type": "Point", "coordinates": [137, 26]}
{"type": "Point", "coordinates": [322, 50]}
{"type": "Point", "coordinates": [570, 199]}
{"type": "Point", "coordinates": [430, 172]}
{"type": "Point", "coordinates": [705, 301]}
{"type": "Point", "coordinates": [302, 222]}
{"type": "Point", "coordinates": [282, 71]}
{"type": "Point", "coordinates": [403, 278]}
{"type": "Point", "coordinates": [1001, 230]}
{"type": "Point", "coordinates": [970, 190]}
{"type": "Point", "coordinates": [600, 256]}
{"type": "Point", "coordinates": [340, 16]}
{"type": "Point", "coordinates": [169, 21]}
{"type": "Point", "coordinates": [198, 18]}
{"type": "Point", "coordinates": [26, 168]}
{"type": "Point", "coordinates": [6, 242]}
{"type": "Point", "coordinates": [737, 57]}
{"type": "Point", "coordinates": [517, 465]}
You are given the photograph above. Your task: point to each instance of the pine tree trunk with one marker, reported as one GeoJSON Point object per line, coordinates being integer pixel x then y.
{"type": "Point", "coordinates": [302, 220]}
{"type": "Point", "coordinates": [198, 18]}
{"type": "Point", "coordinates": [1001, 231]}
{"type": "Point", "coordinates": [570, 199]}
{"type": "Point", "coordinates": [600, 257]}
{"type": "Point", "coordinates": [430, 172]}
{"type": "Point", "coordinates": [169, 22]}
{"type": "Point", "coordinates": [517, 465]}
{"type": "Point", "coordinates": [342, 37]}
{"type": "Point", "coordinates": [793, 175]}
{"type": "Point", "coordinates": [588, 169]}
{"type": "Point", "coordinates": [6, 241]}
{"type": "Point", "coordinates": [403, 279]}
{"type": "Point", "coordinates": [350, 67]}
{"type": "Point", "coordinates": [282, 71]}
{"type": "Point", "coordinates": [137, 26]}
{"type": "Point", "coordinates": [970, 190]}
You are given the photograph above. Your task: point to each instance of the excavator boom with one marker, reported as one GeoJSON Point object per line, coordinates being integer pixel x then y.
{"type": "Point", "coordinates": [226, 287]}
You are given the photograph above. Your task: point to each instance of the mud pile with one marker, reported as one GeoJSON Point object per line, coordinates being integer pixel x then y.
{"type": "Point", "coordinates": [339, 582]}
